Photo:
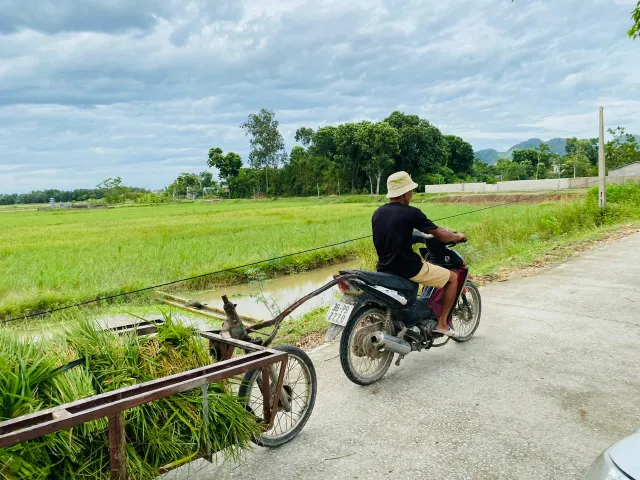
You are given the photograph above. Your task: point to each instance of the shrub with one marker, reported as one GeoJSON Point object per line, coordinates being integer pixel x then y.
{"type": "Point", "coordinates": [627, 194]}
{"type": "Point", "coordinates": [151, 198]}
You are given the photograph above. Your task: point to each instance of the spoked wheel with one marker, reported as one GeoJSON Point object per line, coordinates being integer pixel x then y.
{"type": "Point", "coordinates": [297, 401]}
{"type": "Point", "coordinates": [466, 314]}
{"type": "Point", "coordinates": [361, 362]}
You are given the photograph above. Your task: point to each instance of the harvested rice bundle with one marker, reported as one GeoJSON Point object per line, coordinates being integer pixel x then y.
{"type": "Point", "coordinates": [166, 432]}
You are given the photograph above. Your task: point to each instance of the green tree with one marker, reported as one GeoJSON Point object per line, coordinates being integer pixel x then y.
{"type": "Point", "coordinates": [228, 165]}
{"type": "Point", "coordinates": [510, 170]}
{"type": "Point", "coordinates": [9, 199]}
{"type": "Point", "coordinates": [115, 191]}
{"type": "Point", "coordinates": [483, 172]}
{"type": "Point", "coordinates": [267, 144]}
{"type": "Point", "coordinates": [297, 154]}
{"type": "Point", "coordinates": [381, 143]}
{"type": "Point", "coordinates": [440, 174]}
{"type": "Point", "coordinates": [206, 179]}
{"type": "Point", "coordinates": [634, 31]}
{"type": "Point", "coordinates": [305, 174]}
{"type": "Point", "coordinates": [422, 146]}
{"type": "Point", "coordinates": [245, 184]}
{"type": "Point", "coordinates": [304, 135]}
{"type": "Point", "coordinates": [461, 156]}
{"type": "Point", "coordinates": [525, 154]}
{"type": "Point", "coordinates": [535, 162]}
{"type": "Point", "coordinates": [323, 142]}
{"type": "Point", "coordinates": [349, 155]}
{"type": "Point", "coordinates": [621, 150]}
{"type": "Point", "coordinates": [577, 165]}
{"type": "Point", "coordinates": [545, 156]}
{"type": "Point", "coordinates": [583, 146]}
{"type": "Point", "coordinates": [184, 184]}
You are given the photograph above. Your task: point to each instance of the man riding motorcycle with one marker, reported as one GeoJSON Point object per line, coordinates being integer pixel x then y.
{"type": "Point", "coordinates": [393, 225]}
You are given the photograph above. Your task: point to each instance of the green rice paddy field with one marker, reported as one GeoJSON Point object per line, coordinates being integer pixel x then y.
{"type": "Point", "coordinates": [52, 258]}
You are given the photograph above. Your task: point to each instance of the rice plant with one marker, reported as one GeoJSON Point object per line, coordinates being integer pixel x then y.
{"type": "Point", "coordinates": [167, 432]}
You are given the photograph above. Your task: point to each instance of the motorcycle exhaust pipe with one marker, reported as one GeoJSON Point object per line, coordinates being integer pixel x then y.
{"type": "Point", "coordinates": [390, 343]}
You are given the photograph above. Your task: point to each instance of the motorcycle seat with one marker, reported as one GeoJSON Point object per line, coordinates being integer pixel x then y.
{"type": "Point", "coordinates": [402, 285]}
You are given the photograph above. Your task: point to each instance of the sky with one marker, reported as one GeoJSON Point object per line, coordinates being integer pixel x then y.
{"type": "Point", "coordinates": [91, 89]}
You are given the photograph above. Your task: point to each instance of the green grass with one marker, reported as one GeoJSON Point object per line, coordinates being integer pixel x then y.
{"type": "Point", "coordinates": [52, 258]}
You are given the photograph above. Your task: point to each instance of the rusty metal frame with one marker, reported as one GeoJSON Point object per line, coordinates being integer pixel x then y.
{"type": "Point", "coordinates": [289, 310]}
{"type": "Point", "coordinates": [112, 404]}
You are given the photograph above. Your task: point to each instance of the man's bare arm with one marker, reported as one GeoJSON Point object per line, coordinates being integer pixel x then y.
{"type": "Point", "coordinates": [447, 236]}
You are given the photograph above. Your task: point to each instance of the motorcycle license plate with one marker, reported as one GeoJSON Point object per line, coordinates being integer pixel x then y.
{"type": "Point", "coordinates": [339, 313]}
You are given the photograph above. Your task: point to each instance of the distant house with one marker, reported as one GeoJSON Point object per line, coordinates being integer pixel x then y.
{"type": "Point", "coordinates": [633, 169]}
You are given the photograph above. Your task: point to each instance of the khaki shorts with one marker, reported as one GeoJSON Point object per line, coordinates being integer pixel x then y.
{"type": "Point", "coordinates": [432, 275]}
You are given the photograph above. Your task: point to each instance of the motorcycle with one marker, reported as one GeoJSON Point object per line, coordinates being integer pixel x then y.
{"type": "Point", "coordinates": [381, 314]}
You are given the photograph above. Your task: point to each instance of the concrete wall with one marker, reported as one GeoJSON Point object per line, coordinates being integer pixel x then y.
{"type": "Point", "coordinates": [444, 188]}
{"type": "Point", "coordinates": [457, 188]}
{"type": "Point", "coordinates": [619, 180]}
{"type": "Point", "coordinates": [628, 170]}
{"type": "Point", "coordinates": [527, 185]}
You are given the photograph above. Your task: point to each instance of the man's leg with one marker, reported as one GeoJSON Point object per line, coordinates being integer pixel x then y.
{"type": "Point", "coordinates": [439, 277]}
{"type": "Point", "coordinates": [448, 297]}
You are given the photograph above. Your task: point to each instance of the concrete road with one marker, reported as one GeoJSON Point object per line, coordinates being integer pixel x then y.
{"type": "Point", "coordinates": [550, 379]}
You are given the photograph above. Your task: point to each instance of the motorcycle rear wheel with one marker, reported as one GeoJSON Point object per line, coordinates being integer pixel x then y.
{"type": "Point", "coordinates": [362, 363]}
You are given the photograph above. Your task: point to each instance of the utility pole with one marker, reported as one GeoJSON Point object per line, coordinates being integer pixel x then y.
{"type": "Point", "coordinates": [601, 169]}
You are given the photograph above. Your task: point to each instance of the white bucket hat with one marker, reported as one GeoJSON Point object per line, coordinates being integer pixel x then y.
{"type": "Point", "coordinates": [399, 183]}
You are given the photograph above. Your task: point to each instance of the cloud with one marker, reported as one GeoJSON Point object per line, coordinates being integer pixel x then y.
{"type": "Point", "coordinates": [97, 88]}
{"type": "Point", "coordinates": [51, 16]}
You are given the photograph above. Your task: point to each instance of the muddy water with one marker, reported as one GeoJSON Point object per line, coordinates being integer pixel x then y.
{"type": "Point", "coordinates": [278, 293]}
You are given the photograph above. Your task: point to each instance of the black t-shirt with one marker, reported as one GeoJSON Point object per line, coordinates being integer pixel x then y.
{"type": "Point", "coordinates": [393, 225]}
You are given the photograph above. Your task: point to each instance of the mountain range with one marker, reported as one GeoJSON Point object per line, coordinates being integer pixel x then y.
{"type": "Point", "coordinates": [491, 156]}
{"type": "Point", "coordinates": [556, 145]}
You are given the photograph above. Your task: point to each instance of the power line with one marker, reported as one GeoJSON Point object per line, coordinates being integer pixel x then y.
{"type": "Point", "coordinates": [153, 287]}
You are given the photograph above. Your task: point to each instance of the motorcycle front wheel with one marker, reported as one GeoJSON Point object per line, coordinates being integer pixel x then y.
{"type": "Point", "coordinates": [466, 314]}
{"type": "Point", "coordinates": [361, 362]}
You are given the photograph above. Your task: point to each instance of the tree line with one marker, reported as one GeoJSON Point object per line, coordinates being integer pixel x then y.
{"type": "Point", "coordinates": [356, 157]}
{"type": "Point", "coordinates": [352, 158]}
{"type": "Point", "coordinates": [109, 191]}
{"type": "Point", "coordinates": [342, 159]}
{"type": "Point", "coordinates": [579, 160]}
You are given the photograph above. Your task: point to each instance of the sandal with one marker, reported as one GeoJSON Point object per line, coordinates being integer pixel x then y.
{"type": "Point", "coordinates": [449, 333]}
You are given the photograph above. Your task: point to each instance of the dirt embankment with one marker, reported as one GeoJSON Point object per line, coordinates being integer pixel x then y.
{"type": "Point", "coordinates": [510, 197]}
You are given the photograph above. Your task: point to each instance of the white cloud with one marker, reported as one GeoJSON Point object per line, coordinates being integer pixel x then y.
{"type": "Point", "coordinates": [147, 90]}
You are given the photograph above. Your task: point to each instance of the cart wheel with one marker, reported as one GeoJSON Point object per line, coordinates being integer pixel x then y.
{"type": "Point", "coordinates": [299, 391]}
